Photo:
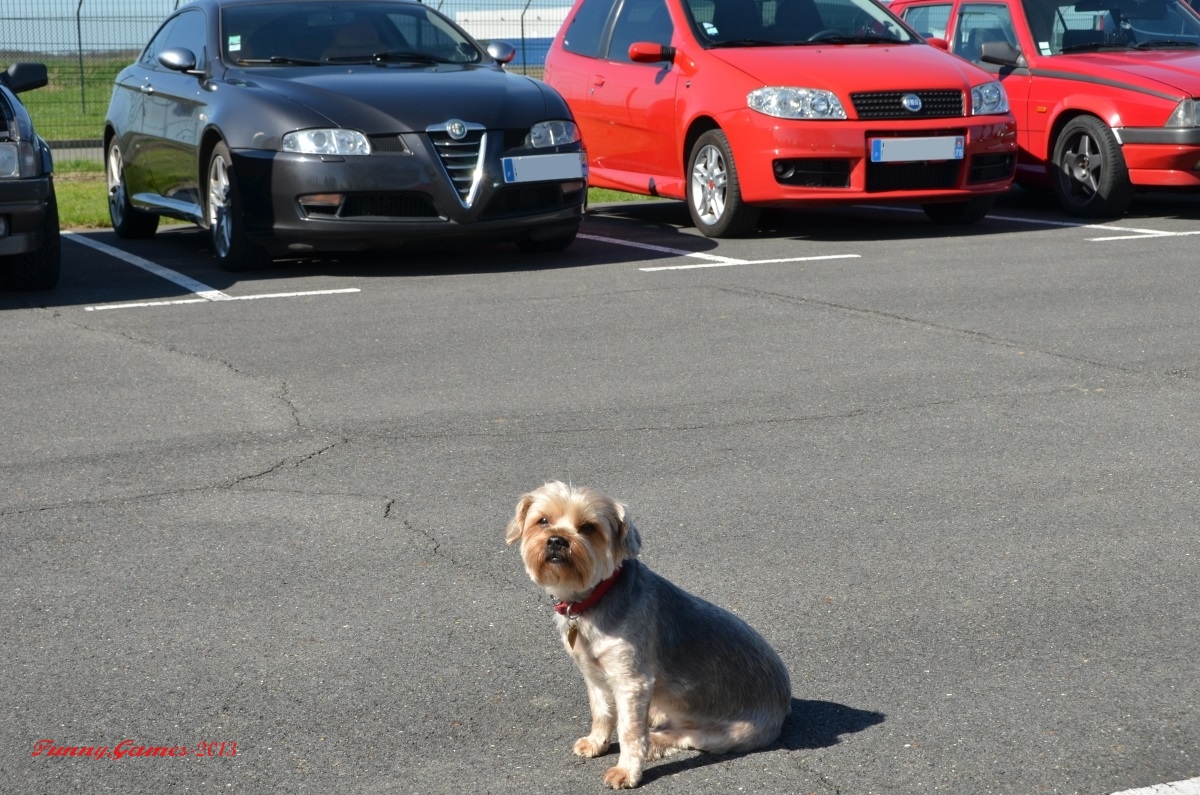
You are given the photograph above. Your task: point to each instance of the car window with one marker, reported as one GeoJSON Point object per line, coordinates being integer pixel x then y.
{"type": "Point", "coordinates": [754, 23]}
{"type": "Point", "coordinates": [190, 32]}
{"type": "Point", "coordinates": [929, 21]}
{"type": "Point", "coordinates": [980, 23]}
{"type": "Point", "coordinates": [157, 44]}
{"type": "Point", "coordinates": [1062, 29]}
{"type": "Point", "coordinates": [639, 20]}
{"type": "Point", "coordinates": [585, 29]}
{"type": "Point", "coordinates": [285, 34]}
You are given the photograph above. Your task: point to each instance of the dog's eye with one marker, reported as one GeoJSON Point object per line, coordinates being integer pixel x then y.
{"type": "Point", "coordinates": [543, 521]}
{"type": "Point", "coordinates": [587, 528]}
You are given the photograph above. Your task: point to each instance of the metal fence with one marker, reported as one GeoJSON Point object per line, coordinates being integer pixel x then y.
{"type": "Point", "coordinates": [84, 43]}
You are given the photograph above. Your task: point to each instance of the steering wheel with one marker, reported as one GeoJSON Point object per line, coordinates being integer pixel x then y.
{"type": "Point", "coordinates": [826, 33]}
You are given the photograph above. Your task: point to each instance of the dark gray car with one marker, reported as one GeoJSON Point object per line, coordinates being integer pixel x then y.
{"type": "Point", "coordinates": [286, 127]}
{"type": "Point", "coordinates": [30, 246]}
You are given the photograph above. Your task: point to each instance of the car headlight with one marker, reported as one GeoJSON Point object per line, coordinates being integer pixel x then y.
{"type": "Point", "coordinates": [796, 103]}
{"type": "Point", "coordinates": [327, 142]}
{"type": "Point", "coordinates": [1184, 114]}
{"type": "Point", "coordinates": [553, 133]}
{"type": "Point", "coordinates": [18, 160]}
{"type": "Point", "coordinates": [988, 98]}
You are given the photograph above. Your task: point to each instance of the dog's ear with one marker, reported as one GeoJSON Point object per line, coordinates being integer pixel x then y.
{"type": "Point", "coordinates": [516, 525]}
{"type": "Point", "coordinates": [628, 540]}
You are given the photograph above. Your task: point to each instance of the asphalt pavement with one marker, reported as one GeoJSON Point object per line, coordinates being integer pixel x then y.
{"type": "Point", "coordinates": [255, 544]}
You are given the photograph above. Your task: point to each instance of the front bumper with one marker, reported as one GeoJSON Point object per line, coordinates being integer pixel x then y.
{"type": "Point", "coordinates": [1159, 157]}
{"type": "Point", "coordinates": [23, 207]}
{"type": "Point", "coordinates": [395, 199]}
{"type": "Point", "coordinates": [785, 162]}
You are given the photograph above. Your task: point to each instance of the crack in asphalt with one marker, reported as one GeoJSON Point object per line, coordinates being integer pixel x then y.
{"type": "Point", "coordinates": [982, 336]}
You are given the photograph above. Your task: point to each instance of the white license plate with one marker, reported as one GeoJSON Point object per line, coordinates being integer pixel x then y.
{"type": "Point", "coordinates": [538, 168]}
{"type": "Point", "coordinates": [907, 150]}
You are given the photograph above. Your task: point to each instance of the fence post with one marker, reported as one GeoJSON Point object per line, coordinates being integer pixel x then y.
{"type": "Point", "coordinates": [524, 56]}
{"type": "Point", "coordinates": [79, 52]}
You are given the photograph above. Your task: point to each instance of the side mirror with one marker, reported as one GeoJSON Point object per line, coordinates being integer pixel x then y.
{"type": "Point", "coordinates": [1001, 53]}
{"type": "Point", "coordinates": [648, 52]}
{"type": "Point", "coordinates": [25, 76]}
{"type": "Point", "coordinates": [178, 59]}
{"type": "Point", "coordinates": [941, 44]}
{"type": "Point", "coordinates": [502, 51]}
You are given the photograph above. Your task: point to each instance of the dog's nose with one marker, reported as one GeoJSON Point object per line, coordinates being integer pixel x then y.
{"type": "Point", "coordinates": [556, 543]}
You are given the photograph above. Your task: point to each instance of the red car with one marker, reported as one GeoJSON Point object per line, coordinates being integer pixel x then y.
{"type": "Point", "coordinates": [1102, 89]}
{"type": "Point", "coordinates": [736, 105]}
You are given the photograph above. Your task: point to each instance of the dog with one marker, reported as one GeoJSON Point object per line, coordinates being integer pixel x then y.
{"type": "Point", "coordinates": [667, 670]}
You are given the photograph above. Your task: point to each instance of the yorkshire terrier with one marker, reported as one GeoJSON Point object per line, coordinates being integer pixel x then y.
{"type": "Point", "coordinates": [667, 670]}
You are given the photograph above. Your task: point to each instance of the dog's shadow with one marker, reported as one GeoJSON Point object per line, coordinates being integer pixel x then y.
{"type": "Point", "coordinates": [811, 724]}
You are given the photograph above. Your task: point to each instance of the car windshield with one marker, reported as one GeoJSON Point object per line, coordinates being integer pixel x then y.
{"type": "Point", "coordinates": [311, 34]}
{"type": "Point", "coordinates": [772, 23]}
{"type": "Point", "coordinates": [1091, 25]}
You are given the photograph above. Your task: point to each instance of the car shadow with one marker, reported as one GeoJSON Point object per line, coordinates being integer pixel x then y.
{"type": "Point", "coordinates": [811, 725]}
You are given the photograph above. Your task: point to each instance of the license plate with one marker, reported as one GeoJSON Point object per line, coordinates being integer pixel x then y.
{"type": "Point", "coordinates": [907, 150]}
{"type": "Point", "coordinates": [538, 168]}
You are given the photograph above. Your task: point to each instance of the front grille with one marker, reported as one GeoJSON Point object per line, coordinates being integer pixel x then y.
{"type": "Point", "coordinates": [518, 200]}
{"type": "Point", "coordinates": [883, 177]}
{"type": "Point", "coordinates": [813, 173]}
{"type": "Point", "coordinates": [990, 168]}
{"type": "Point", "coordinates": [890, 105]}
{"type": "Point", "coordinates": [461, 158]}
{"type": "Point", "coordinates": [388, 205]}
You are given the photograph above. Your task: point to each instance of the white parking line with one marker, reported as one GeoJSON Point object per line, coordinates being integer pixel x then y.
{"type": "Point", "coordinates": [186, 282]}
{"type": "Point", "coordinates": [1137, 233]}
{"type": "Point", "coordinates": [711, 260]}
{"type": "Point", "coordinates": [202, 291]}
{"type": "Point", "coordinates": [1189, 787]}
{"type": "Point", "coordinates": [140, 304]}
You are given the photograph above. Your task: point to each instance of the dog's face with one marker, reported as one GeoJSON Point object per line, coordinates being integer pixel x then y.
{"type": "Point", "coordinates": [571, 538]}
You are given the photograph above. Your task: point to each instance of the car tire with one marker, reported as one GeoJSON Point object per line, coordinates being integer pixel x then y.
{"type": "Point", "coordinates": [37, 270]}
{"type": "Point", "coordinates": [714, 194]}
{"type": "Point", "coordinates": [128, 222]}
{"type": "Point", "coordinates": [225, 217]}
{"type": "Point", "coordinates": [548, 245]}
{"type": "Point", "coordinates": [960, 213]}
{"type": "Point", "coordinates": [1090, 177]}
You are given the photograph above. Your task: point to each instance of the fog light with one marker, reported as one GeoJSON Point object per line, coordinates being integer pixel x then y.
{"type": "Point", "coordinates": [323, 199]}
{"type": "Point", "coordinates": [322, 203]}
{"type": "Point", "coordinates": [572, 186]}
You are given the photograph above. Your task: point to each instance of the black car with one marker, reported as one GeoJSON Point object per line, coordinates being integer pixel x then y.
{"type": "Point", "coordinates": [30, 246]}
{"type": "Point", "coordinates": [287, 127]}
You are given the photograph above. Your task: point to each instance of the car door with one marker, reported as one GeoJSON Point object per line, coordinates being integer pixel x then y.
{"type": "Point", "coordinates": [979, 22]}
{"type": "Point", "coordinates": [135, 117]}
{"type": "Point", "coordinates": [175, 111]}
{"type": "Point", "coordinates": [634, 103]}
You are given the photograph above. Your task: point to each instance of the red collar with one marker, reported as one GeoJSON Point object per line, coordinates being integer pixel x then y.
{"type": "Point", "coordinates": [572, 609]}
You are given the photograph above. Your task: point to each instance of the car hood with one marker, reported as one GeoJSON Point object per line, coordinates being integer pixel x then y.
{"type": "Point", "coordinates": [852, 67]}
{"type": "Point", "coordinates": [1174, 71]}
{"type": "Point", "coordinates": [407, 98]}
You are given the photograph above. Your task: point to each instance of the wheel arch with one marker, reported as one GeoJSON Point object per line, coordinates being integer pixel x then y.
{"type": "Point", "coordinates": [208, 142]}
{"type": "Point", "coordinates": [698, 126]}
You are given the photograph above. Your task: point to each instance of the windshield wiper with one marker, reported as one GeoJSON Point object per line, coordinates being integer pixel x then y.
{"type": "Point", "coordinates": [280, 59]}
{"type": "Point", "coordinates": [865, 38]}
{"type": "Point", "coordinates": [390, 57]}
{"type": "Point", "coordinates": [747, 43]}
{"type": "Point", "coordinates": [1152, 45]}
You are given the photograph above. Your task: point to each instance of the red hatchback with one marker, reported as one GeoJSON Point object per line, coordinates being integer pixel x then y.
{"type": "Point", "coordinates": [735, 105]}
{"type": "Point", "coordinates": [1103, 90]}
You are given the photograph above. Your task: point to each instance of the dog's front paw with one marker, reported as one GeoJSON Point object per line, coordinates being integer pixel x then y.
{"type": "Point", "coordinates": [621, 778]}
{"type": "Point", "coordinates": [586, 746]}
